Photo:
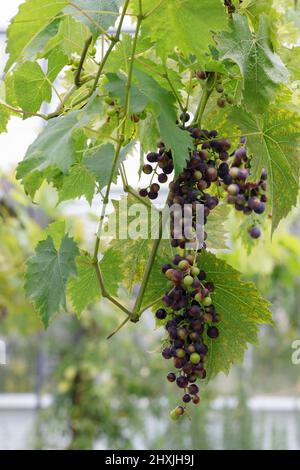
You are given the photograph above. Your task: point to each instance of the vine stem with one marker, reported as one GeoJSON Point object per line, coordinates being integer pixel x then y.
{"type": "Point", "coordinates": [136, 314]}
{"type": "Point", "coordinates": [81, 62]}
{"type": "Point", "coordinates": [117, 150]}
{"type": "Point", "coordinates": [207, 91]}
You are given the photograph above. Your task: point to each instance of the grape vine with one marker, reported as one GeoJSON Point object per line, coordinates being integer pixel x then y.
{"type": "Point", "coordinates": [185, 68]}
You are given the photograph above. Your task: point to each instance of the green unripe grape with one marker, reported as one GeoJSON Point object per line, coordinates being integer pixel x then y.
{"type": "Point", "coordinates": [197, 175]}
{"type": "Point", "coordinates": [195, 271]}
{"type": "Point", "coordinates": [188, 281]}
{"type": "Point", "coordinates": [195, 358]}
{"type": "Point", "coordinates": [111, 112]}
{"type": "Point", "coordinates": [184, 265]}
{"type": "Point", "coordinates": [198, 297]}
{"type": "Point", "coordinates": [207, 301]}
{"type": "Point", "coordinates": [220, 88]}
{"type": "Point", "coordinates": [180, 353]}
{"type": "Point", "coordinates": [94, 51]}
{"type": "Point", "coordinates": [174, 415]}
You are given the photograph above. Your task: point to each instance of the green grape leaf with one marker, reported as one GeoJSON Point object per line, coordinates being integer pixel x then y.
{"type": "Point", "coordinates": [241, 309]}
{"type": "Point", "coordinates": [54, 146]}
{"type": "Point", "coordinates": [116, 87]}
{"type": "Point", "coordinates": [149, 92]}
{"type": "Point", "coordinates": [56, 61]}
{"type": "Point", "coordinates": [217, 234]}
{"type": "Point", "coordinates": [262, 70]}
{"type": "Point", "coordinates": [70, 37]}
{"type": "Point", "coordinates": [78, 182]}
{"type": "Point", "coordinates": [187, 25]}
{"type": "Point", "coordinates": [97, 15]}
{"type": "Point", "coordinates": [130, 255]}
{"type": "Point", "coordinates": [31, 29]}
{"type": "Point", "coordinates": [99, 162]}
{"type": "Point", "coordinates": [273, 139]}
{"type": "Point", "coordinates": [84, 288]}
{"type": "Point", "coordinates": [4, 112]}
{"type": "Point", "coordinates": [47, 274]}
{"type": "Point", "coordinates": [56, 230]}
{"type": "Point", "coordinates": [31, 86]}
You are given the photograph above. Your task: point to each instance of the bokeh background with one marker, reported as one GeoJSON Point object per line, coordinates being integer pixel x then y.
{"type": "Point", "coordinates": [71, 388]}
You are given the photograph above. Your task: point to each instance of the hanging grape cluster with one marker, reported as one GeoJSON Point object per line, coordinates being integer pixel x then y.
{"type": "Point", "coordinates": [189, 314]}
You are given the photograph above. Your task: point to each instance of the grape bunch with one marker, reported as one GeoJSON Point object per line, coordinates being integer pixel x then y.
{"type": "Point", "coordinates": [163, 166]}
{"type": "Point", "coordinates": [247, 197]}
{"type": "Point", "coordinates": [190, 317]}
{"type": "Point", "coordinates": [212, 170]}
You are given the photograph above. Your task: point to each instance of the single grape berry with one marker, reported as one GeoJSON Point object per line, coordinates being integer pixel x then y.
{"type": "Point", "coordinates": [161, 314]}
{"type": "Point", "coordinates": [173, 415]}
{"type": "Point", "coordinates": [184, 117]}
{"type": "Point", "coordinates": [188, 281]}
{"type": "Point", "coordinates": [195, 358]}
{"type": "Point", "coordinates": [171, 377]}
{"type": "Point", "coordinates": [212, 332]}
{"type": "Point", "coordinates": [162, 178]}
{"type": "Point", "coordinates": [152, 195]}
{"type": "Point", "coordinates": [193, 389]}
{"type": "Point", "coordinates": [255, 232]}
{"type": "Point", "coordinates": [147, 169]}
{"type": "Point", "coordinates": [152, 157]}
{"type": "Point", "coordinates": [154, 187]}
{"type": "Point", "coordinates": [186, 398]}
{"type": "Point", "coordinates": [201, 74]}
{"type": "Point", "coordinates": [221, 102]}
{"type": "Point", "coordinates": [196, 399]}
{"type": "Point", "coordinates": [143, 192]}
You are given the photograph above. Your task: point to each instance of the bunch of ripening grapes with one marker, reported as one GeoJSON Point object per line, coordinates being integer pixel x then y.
{"type": "Point", "coordinates": [189, 314]}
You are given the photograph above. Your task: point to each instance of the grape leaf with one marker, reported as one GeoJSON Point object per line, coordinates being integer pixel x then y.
{"type": "Point", "coordinates": [99, 162]}
{"type": "Point", "coordinates": [241, 309]}
{"type": "Point", "coordinates": [47, 274]}
{"type": "Point", "coordinates": [84, 288]}
{"type": "Point", "coordinates": [56, 230]}
{"type": "Point", "coordinates": [4, 112]}
{"type": "Point", "coordinates": [54, 146]}
{"type": "Point", "coordinates": [31, 29]}
{"type": "Point", "coordinates": [273, 139]}
{"type": "Point", "coordinates": [70, 37]}
{"type": "Point", "coordinates": [79, 182]}
{"type": "Point", "coordinates": [147, 91]}
{"type": "Point", "coordinates": [187, 25]}
{"type": "Point", "coordinates": [215, 229]}
{"type": "Point", "coordinates": [56, 61]}
{"type": "Point", "coordinates": [31, 86]}
{"type": "Point", "coordinates": [97, 15]}
{"type": "Point", "coordinates": [261, 68]}
{"type": "Point", "coordinates": [130, 256]}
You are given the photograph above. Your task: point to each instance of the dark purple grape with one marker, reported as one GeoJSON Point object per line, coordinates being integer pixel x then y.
{"type": "Point", "coordinates": [182, 381]}
{"type": "Point", "coordinates": [152, 157]}
{"type": "Point", "coordinates": [161, 314]}
{"type": "Point", "coordinates": [171, 377]}
{"type": "Point", "coordinates": [255, 232]}
{"type": "Point", "coordinates": [186, 398]}
{"type": "Point", "coordinates": [143, 192]}
{"type": "Point", "coordinates": [212, 332]}
{"type": "Point", "coordinates": [162, 178]}
{"type": "Point", "coordinates": [184, 117]}
{"type": "Point", "coordinates": [152, 195]}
